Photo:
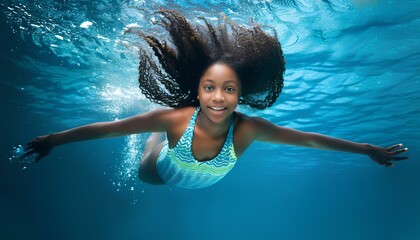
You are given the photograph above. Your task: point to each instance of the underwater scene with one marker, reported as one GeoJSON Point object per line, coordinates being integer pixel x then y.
{"type": "Point", "coordinates": [352, 72]}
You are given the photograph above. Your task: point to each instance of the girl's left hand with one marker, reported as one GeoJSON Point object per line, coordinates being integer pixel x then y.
{"type": "Point", "coordinates": [384, 156]}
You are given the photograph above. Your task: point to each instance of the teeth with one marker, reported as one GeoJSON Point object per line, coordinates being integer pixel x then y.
{"type": "Point", "coordinates": [217, 108]}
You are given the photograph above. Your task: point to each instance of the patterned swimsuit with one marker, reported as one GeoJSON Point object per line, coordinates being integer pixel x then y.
{"type": "Point", "coordinates": [177, 166]}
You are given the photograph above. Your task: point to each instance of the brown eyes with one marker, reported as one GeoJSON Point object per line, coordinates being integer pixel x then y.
{"type": "Point", "coordinates": [209, 88]}
{"type": "Point", "coordinates": [230, 89]}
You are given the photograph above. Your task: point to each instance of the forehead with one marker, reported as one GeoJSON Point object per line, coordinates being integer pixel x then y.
{"type": "Point", "coordinates": [220, 73]}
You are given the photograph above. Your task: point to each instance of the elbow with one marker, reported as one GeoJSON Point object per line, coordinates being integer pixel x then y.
{"type": "Point", "coordinates": [312, 140]}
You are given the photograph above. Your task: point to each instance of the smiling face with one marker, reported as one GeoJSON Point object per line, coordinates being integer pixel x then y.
{"type": "Point", "coordinates": [219, 92]}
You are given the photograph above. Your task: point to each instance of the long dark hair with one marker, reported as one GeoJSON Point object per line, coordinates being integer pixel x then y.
{"type": "Point", "coordinates": [169, 75]}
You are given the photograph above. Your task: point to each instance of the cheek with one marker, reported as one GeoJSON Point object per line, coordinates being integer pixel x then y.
{"type": "Point", "coordinates": [201, 94]}
{"type": "Point", "coordinates": [234, 98]}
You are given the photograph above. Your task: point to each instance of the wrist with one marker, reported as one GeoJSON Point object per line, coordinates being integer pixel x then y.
{"type": "Point", "coordinates": [51, 140]}
{"type": "Point", "coordinates": [367, 148]}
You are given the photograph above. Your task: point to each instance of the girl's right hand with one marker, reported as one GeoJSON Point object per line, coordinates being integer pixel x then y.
{"type": "Point", "coordinates": [40, 146]}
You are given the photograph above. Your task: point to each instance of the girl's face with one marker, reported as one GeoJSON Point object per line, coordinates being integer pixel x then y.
{"type": "Point", "coordinates": [218, 92]}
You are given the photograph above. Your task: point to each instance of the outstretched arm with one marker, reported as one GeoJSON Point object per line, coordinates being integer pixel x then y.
{"type": "Point", "coordinates": [269, 132]}
{"type": "Point", "coordinates": [154, 121]}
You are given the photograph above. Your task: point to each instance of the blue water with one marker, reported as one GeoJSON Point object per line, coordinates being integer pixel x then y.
{"type": "Point", "coordinates": [352, 72]}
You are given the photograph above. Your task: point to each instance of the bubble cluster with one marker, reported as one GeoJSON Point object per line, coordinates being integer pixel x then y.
{"type": "Point", "coordinates": [15, 157]}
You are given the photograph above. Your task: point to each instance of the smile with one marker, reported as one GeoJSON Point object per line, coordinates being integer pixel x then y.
{"type": "Point", "coordinates": [218, 108]}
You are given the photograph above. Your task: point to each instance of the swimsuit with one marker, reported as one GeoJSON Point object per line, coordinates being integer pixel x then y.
{"type": "Point", "coordinates": [177, 166]}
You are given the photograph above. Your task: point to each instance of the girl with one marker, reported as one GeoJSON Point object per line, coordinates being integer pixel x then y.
{"type": "Point", "coordinates": [203, 72]}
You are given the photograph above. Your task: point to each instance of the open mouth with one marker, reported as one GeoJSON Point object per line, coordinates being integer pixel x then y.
{"type": "Point", "coordinates": [218, 109]}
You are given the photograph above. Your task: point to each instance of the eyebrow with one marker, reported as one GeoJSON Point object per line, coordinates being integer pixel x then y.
{"type": "Point", "coordinates": [227, 81]}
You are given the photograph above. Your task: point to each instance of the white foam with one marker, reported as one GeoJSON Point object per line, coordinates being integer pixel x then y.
{"type": "Point", "coordinates": [86, 24]}
{"type": "Point", "coordinates": [103, 38]}
{"type": "Point", "coordinates": [132, 25]}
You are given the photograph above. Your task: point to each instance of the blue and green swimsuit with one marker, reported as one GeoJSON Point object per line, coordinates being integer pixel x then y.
{"type": "Point", "coordinates": [177, 166]}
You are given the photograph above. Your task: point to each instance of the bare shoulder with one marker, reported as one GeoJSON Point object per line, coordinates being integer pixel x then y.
{"type": "Point", "coordinates": [174, 118]}
{"type": "Point", "coordinates": [249, 129]}
{"type": "Point", "coordinates": [246, 131]}
{"type": "Point", "coordinates": [249, 124]}
{"type": "Point", "coordinates": [177, 115]}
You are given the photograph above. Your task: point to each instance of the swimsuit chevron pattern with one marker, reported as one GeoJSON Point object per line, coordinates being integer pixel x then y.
{"type": "Point", "coordinates": [177, 166]}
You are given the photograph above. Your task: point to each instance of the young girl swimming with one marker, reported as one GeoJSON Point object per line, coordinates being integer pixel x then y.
{"type": "Point", "coordinates": [203, 72]}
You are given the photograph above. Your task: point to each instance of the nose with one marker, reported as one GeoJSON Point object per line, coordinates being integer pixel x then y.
{"type": "Point", "coordinates": [218, 96]}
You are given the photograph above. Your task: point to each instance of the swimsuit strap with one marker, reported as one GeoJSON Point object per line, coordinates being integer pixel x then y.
{"type": "Point", "coordinates": [193, 119]}
{"type": "Point", "coordinates": [230, 134]}
{"type": "Point", "coordinates": [189, 132]}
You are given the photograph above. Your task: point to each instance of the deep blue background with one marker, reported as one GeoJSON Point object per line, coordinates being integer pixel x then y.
{"type": "Point", "coordinates": [352, 72]}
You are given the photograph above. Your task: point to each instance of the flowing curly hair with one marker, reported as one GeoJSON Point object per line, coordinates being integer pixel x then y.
{"type": "Point", "coordinates": [169, 74]}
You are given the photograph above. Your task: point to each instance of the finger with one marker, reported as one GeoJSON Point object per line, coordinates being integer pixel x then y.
{"type": "Point", "coordinates": [385, 163]}
{"type": "Point", "coordinates": [38, 158]}
{"type": "Point", "coordinates": [394, 147]}
{"type": "Point", "coordinates": [399, 151]}
{"type": "Point", "coordinates": [27, 153]}
{"type": "Point", "coordinates": [389, 164]}
{"type": "Point", "coordinates": [398, 158]}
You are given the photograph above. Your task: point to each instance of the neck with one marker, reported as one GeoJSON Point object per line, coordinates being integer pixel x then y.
{"type": "Point", "coordinates": [212, 128]}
